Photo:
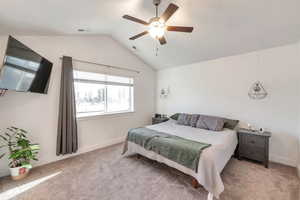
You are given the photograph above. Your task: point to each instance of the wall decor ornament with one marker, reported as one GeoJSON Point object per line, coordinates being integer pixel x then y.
{"type": "Point", "coordinates": [257, 91]}
{"type": "Point", "coordinates": [164, 92]}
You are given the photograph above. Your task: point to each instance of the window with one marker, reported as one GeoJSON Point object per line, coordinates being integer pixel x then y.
{"type": "Point", "coordinates": [97, 94]}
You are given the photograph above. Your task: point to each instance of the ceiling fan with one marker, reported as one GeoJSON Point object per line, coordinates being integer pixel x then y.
{"type": "Point", "coordinates": [157, 25]}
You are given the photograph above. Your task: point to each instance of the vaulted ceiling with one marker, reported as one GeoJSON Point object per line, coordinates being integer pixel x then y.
{"type": "Point", "coordinates": [221, 27]}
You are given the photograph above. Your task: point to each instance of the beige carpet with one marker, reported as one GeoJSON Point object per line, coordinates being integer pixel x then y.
{"type": "Point", "coordinates": [105, 175]}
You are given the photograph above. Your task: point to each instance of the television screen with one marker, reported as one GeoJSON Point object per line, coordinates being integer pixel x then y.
{"type": "Point", "coordinates": [24, 70]}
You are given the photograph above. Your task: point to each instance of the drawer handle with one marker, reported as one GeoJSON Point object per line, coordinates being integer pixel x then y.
{"type": "Point", "coordinates": [252, 142]}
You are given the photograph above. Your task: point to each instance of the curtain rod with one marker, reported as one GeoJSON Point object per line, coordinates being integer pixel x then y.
{"type": "Point", "coordinates": [105, 65]}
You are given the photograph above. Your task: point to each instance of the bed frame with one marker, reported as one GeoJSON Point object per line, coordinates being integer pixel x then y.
{"type": "Point", "coordinates": [195, 183]}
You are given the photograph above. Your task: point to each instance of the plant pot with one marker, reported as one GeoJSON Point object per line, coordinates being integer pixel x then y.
{"type": "Point", "coordinates": [18, 173]}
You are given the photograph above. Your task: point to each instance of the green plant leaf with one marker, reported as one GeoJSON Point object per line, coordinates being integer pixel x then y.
{"type": "Point", "coordinates": [23, 143]}
{"type": "Point", "coordinates": [4, 138]}
{"type": "Point", "coordinates": [22, 130]}
{"type": "Point", "coordinates": [20, 148]}
{"type": "Point", "coordinates": [7, 135]}
{"type": "Point", "coordinates": [27, 165]}
{"type": "Point", "coordinates": [35, 147]}
{"type": "Point", "coordinates": [10, 129]}
{"type": "Point", "coordinates": [2, 155]}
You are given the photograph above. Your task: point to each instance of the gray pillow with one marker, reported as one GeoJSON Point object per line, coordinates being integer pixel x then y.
{"type": "Point", "coordinates": [230, 123]}
{"type": "Point", "coordinates": [175, 116]}
{"type": "Point", "coordinates": [184, 119]}
{"type": "Point", "coordinates": [194, 119]}
{"type": "Point", "coordinates": [210, 123]}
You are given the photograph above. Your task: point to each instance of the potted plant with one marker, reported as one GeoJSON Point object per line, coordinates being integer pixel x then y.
{"type": "Point", "coordinates": [21, 151]}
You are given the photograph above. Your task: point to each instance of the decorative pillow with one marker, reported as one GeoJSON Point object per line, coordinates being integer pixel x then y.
{"type": "Point", "coordinates": [230, 123]}
{"type": "Point", "coordinates": [184, 119]}
{"type": "Point", "coordinates": [194, 119]}
{"type": "Point", "coordinates": [175, 116]}
{"type": "Point", "coordinates": [210, 123]}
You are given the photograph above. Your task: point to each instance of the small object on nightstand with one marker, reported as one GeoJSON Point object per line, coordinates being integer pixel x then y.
{"type": "Point", "coordinates": [249, 126]}
{"type": "Point", "coordinates": [261, 130]}
{"type": "Point", "coordinates": [254, 145]}
{"type": "Point", "coordinates": [157, 120]}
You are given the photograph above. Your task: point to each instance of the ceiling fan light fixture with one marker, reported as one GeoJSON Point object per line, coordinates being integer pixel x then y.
{"type": "Point", "coordinates": [157, 28]}
{"type": "Point", "coordinates": [157, 25]}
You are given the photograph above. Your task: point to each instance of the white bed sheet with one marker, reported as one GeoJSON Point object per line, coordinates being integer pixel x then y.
{"type": "Point", "coordinates": [212, 160]}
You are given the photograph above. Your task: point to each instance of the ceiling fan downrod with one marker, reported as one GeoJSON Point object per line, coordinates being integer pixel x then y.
{"type": "Point", "coordinates": [156, 4]}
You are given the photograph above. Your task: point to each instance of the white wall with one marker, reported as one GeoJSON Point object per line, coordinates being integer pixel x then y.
{"type": "Point", "coordinates": [39, 113]}
{"type": "Point", "coordinates": [219, 87]}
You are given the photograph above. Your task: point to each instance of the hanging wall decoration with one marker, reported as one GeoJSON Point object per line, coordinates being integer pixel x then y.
{"type": "Point", "coordinates": [164, 92]}
{"type": "Point", "coordinates": [257, 91]}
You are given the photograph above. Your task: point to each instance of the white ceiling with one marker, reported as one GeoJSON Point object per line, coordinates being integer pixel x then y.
{"type": "Point", "coordinates": [221, 27]}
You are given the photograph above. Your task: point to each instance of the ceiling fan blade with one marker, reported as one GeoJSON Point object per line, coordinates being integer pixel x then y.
{"type": "Point", "coordinates": [162, 40]}
{"type": "Point", "coordinates": [139, 35]}
{"type": "Point", "coordinates": [180, 29]}
{"type": "Point", "coordinates": [135, 20]}
{"type": "Point", "coordinates": [169, 12]}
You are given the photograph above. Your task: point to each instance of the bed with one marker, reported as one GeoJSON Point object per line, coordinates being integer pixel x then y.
{"type": "Point", "coordinates": [212, 160]}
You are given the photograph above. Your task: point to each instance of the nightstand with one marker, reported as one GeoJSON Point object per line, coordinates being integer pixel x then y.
{"type": "Point", "coordinates": [254, 145]}
{"type": "Point", "coordinates": [157, 120]}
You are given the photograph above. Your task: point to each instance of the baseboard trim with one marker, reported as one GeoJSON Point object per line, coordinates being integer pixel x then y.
{"type": "Point", "coordinates": [273, 158]}
{"type": "Point", "coordinates": [283, 160]}
{"type": "Point", "coordinates": [101, 146]}
{"type": "Point", "coordinates": [80, 151]}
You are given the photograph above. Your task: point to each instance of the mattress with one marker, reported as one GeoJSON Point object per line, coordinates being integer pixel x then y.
{"type": "Point", "coordinates": [212, 160]}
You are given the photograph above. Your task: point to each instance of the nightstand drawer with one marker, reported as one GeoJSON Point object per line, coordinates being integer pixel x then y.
{"type": "Point", "coordinates": [257, 153]}
{"type": "Point", "coordinates": [253, 140]}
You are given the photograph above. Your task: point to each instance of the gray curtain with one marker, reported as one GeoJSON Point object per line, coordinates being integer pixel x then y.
{"type": "Point", "coordinates": [67, 140]}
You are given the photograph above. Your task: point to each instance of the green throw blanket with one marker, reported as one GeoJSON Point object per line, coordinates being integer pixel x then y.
{"type": "Point", "coordinates": [182, 151]}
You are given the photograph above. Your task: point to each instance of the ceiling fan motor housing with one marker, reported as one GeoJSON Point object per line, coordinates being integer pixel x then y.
{"type": "Point", "coordinates": [156, 2]}
{"type": "Point", "coordinates": [154, 19]}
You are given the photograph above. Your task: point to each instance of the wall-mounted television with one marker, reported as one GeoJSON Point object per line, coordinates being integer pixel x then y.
{"type": "Point", "coordinates": [23, 69]}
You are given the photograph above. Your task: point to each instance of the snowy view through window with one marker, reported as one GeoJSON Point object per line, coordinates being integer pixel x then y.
{"type": "Point", "coordinates": [100, 94]}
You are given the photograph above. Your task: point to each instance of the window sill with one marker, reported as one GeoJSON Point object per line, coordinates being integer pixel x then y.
{"type": "Point", "coordinates": [88, 116]}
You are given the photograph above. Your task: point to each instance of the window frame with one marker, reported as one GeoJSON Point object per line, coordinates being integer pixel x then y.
{"type": "Point", "coordinates": [105, 84]}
